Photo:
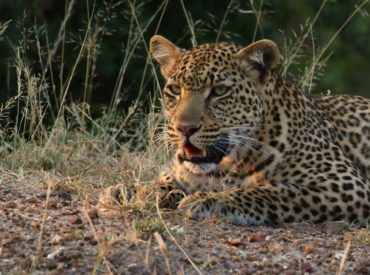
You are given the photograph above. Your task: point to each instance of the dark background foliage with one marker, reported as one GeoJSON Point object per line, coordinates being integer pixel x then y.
{"type": "Point", "coordinates": [346, 70]}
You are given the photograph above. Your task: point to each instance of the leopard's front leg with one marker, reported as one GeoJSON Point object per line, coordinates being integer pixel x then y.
{"type": "Point", "coordinates": [250, 206]}
{"type": "Point", "coordinates": [233, 205]}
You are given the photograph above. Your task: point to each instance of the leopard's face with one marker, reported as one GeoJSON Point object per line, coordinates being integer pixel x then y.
{"type": "Point", "coordinates": [212, 106]}
{"type": "Point", "coordinates": [212, 102]}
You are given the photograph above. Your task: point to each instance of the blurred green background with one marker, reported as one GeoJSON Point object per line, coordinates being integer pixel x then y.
{"type": "Point", "coordinates": [346, 70]}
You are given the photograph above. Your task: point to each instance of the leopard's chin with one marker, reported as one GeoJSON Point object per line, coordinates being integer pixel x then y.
{"type": "Point", "coordinates": [200, 168]}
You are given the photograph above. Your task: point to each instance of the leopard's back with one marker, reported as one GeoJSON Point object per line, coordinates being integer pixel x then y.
{"type": "Point", "coordinates": [350, 118]}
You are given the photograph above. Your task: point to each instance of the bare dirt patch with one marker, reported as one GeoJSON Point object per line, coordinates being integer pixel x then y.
{"type": "Point", "coordinates": [72, 243]}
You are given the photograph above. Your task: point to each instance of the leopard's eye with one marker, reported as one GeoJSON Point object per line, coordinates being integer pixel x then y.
{"type": "Point", "coordinates": [173, 90]}
{"type": "Point", "coordinates": [219, 90]}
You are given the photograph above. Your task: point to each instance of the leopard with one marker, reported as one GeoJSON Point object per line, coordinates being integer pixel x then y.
{"type": "Point", "coordinates": [253, 149]}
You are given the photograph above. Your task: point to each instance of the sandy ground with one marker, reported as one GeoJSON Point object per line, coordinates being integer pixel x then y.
{"type": "Point", "coordinates": [70, 237]}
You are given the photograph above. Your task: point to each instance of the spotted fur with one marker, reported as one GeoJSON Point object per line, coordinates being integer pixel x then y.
{"type": "Point", "coordinates": [252, 148]}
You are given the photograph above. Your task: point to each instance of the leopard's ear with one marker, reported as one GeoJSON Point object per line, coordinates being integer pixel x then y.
{"type": "Point", "coordinates": [264, 52]}
{"type": "Point", "coordinates": [165, 52]}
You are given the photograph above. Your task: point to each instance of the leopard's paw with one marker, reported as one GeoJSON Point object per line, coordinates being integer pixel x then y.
{"type": "Point", "coordinates": [169, 197]}
{"type": "Point", "coordinates": [198, 205]}
{"type": "Point", "coordinates": [114, 196]}
{"type": "Point", "coordinates": [168, 191]}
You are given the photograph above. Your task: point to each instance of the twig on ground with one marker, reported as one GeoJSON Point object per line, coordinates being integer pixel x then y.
{"type": "Point", "coordinates": [173, 237]}
{"type": "Point", "coordinates": [344, 257]}
{"type": "Point", "coordinates": [43, 221]}
{"type": "Point", "coordinates": [146, 260]}
{"type": "Point", "coordinates": [163, 248]}
{"type": "Point", "coordinates": [102, 250]}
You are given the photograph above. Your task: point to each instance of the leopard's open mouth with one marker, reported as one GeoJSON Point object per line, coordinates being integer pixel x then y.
{"type": "Point", "coordinates": [212, 153]}
{"type": "Point", "coordinates": [194, 154]}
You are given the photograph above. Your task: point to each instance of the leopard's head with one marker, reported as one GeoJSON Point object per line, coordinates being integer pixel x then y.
{"type": "Point", "coordinates": [212, 97]}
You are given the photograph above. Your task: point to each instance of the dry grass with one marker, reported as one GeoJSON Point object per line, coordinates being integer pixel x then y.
{"type": "Point", "coordinates": [363, 236]}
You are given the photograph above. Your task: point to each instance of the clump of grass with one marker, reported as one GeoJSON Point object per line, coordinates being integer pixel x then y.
{"type": "Point", "coordinates": [363, 236]}
{"type": "Point", "coordinates": [148, 225]}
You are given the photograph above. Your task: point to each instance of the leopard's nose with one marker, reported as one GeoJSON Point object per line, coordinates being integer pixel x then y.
{"type": "Point", "coordinates": [188, 130]}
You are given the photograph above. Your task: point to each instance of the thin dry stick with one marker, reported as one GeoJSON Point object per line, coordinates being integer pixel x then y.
{"type": "Point", "coordinates": [311, 78]}
{"type": "Point", "coordinates": [163, 248]}
{"type": "Point", "coordinates": [61, 75]}
{"type": "Point", "coordinates": [258, 21]}
{"type": "Point", "coordinates": [322, 52]}
{"type": "Point", "coordinates": [43, 221]}
{"type": "Point", "coordinates": [79, 56]}
{"type": "Point", "coordinates": [223, 22]}
{"type": "Point", "coordinates": [191, 25]}
{"type": "Point", "coordinates": [344, 257]}
{"type": "Point", "coordinates": [60, 36]}
{"type": "Point", "coordinates": [293, 56]}
{"type": "Point", "coordinates": [42, 84]}
{"type": "Point", "coordinates": [143, 29]}
{"type": "Point", "coordinates": [173, 237]}
{"type": "Point", "coordinates": [146, 260]}
{"type": "Point", "coordinates": [97, 239]}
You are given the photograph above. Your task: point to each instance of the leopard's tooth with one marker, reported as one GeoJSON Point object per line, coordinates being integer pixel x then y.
{"type": "Point", "coordinates": [204, 153]}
